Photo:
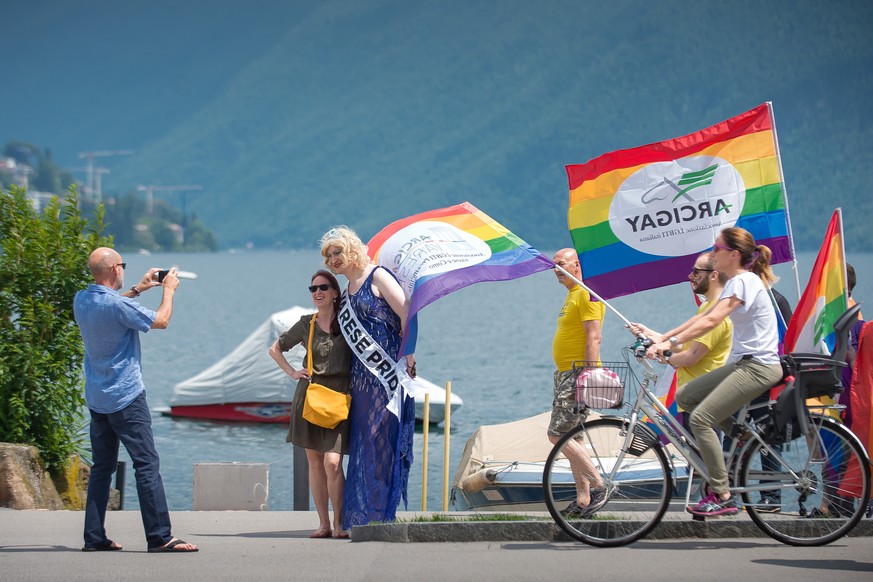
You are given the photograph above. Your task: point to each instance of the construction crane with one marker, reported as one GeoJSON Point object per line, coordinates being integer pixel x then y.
{"type": "Point", "coordinates": [89, 163]}
{"type": "Point", "coordinates": [152, 188]}
{"type": "Point", "coordinates": [95, 173]}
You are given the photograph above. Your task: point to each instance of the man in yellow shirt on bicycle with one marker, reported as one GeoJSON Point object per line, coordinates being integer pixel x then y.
{"type": "Point", "coordinates": [709, 351]}
{"type": "Point", "coordinates": [577, 338]}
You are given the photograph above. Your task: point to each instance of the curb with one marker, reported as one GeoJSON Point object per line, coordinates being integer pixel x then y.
{"type": "Point", "coordinates": [545, 531]}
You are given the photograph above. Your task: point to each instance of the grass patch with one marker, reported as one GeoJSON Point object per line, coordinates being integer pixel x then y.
{"type": "Point", "coordinates": [476, 517]}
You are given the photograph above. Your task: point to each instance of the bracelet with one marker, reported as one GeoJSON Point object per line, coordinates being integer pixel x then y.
{"type": "Point", "coordinates": [135, 291]}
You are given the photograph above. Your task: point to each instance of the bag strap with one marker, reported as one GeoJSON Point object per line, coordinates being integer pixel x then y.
{"type": "Point", "coordinates": [309, 344]}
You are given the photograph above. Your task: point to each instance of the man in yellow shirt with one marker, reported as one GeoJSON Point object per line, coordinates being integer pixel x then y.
{"type": "Point", "coordinates": [577, 338]}
{"type": "Point", "coordinates": [709, 351]}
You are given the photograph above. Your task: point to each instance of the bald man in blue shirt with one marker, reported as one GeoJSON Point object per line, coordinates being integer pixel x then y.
{"type": "Point", "coordinates": [110, 323]}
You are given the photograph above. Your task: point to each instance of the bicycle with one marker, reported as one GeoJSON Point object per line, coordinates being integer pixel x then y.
{"type": "Point", "coordinates": [819, 467]}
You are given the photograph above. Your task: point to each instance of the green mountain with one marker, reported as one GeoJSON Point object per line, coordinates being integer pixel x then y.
{"type": "Point", "coordinates": [296, 116]}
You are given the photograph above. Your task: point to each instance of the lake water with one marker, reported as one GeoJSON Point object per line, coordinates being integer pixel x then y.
{"type": "Point", "coordinates": [491, 340]}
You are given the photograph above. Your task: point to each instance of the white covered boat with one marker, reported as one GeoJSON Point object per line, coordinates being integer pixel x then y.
{"type": "Point", "coordinates": [247, 386]}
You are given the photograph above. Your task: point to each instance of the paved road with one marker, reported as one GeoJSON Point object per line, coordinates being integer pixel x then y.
{"type": "Point", "coordinates": [44, 545]}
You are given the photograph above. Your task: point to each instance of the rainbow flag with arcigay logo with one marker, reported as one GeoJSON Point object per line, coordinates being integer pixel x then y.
{"type": "Point", "coordinates": [639, 217]}
{"type": "Point", "coordinates": [435, 253]}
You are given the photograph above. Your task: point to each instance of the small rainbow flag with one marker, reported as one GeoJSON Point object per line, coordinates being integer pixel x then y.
{"type": "Point", "coordinates": [825, 298]}
{"type": "Point", "coordinates": [665, 389]}
{"type": "Point", "coordinates": [639, 217]}
{"type": "Point", "coordinates": [435, 253]}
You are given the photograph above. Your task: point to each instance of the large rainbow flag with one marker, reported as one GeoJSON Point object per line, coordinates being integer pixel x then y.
{"type": "Point", "coordinates": [639, 217]}
{"type": "Point", "coordinates": [825, 298]}
{"type": "Point", "coordinates": [437, 252]}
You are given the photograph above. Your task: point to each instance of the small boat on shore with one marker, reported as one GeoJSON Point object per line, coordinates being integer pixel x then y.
{"type": "Point", "coordinates": [247, 386]}
{"type": "Point", "coordinates": [502, 466]}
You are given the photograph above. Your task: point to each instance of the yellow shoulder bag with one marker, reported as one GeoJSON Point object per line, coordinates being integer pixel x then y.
{"type": "Point", "coordinates": [323, 406]}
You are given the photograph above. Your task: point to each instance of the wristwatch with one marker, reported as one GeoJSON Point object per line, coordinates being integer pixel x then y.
{"type": "Point", "coordinates": [135, 291]}
{"type": "Point", "coordinates": [674, 341]}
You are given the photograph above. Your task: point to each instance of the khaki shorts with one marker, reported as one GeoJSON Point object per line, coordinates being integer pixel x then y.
{"type": "Point", "coordinates": [564, 414]}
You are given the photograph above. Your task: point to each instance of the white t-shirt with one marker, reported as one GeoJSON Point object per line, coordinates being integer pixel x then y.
{"type": "Point", "coordinates": [755, 331]}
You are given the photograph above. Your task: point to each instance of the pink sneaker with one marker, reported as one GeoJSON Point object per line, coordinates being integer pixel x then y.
{"type": "Point", "coordinates": [712, 506]}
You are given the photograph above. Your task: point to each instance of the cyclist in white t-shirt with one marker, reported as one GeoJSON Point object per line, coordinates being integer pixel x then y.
{"type": "Point", "coordinates": [753, 365]}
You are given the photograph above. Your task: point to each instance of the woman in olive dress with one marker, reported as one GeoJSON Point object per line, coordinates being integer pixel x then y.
{"type": "Point", "coordinates": [331, 361]}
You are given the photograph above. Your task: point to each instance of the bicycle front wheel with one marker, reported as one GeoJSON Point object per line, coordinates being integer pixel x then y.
{"type": "Point", "coordinates": [635, 471]}
{"type": "Point", "coordinates": [820, 485]}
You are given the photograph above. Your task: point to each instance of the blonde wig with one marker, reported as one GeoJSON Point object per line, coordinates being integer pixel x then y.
{"type": "Point", "coordinates": [354, 251]}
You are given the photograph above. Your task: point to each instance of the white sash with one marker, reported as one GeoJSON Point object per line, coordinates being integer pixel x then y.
{"type": "Point", "coordinates": [392, 375]}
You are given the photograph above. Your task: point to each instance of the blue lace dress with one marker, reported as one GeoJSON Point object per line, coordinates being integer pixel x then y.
{"type": "Point", "coordinates": [380, 445]}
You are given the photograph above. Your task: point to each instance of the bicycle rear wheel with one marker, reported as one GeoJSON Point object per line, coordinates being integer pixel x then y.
{"type": "Point", "coordinates": [821, 484]}
{"type": "Point", "coordinates": [635, 471]}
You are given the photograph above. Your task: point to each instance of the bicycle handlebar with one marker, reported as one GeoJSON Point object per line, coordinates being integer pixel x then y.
{"type": "Point", "coordinates": [642, 344]}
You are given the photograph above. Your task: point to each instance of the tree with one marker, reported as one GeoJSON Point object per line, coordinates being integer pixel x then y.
{"type": "Point", "coordinates": [164, 229]}
{"type": "Point", "coordinates": [44, 262]}
{"type": "Point", "coordinates": [198, 238]}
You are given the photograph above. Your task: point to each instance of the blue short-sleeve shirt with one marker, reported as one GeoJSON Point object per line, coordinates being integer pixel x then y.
{"type": "Point", "coordinates": [110, 326]}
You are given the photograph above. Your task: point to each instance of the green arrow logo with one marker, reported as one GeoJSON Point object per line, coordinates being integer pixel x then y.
{"type": "Point", "coordinates": [693, 180]}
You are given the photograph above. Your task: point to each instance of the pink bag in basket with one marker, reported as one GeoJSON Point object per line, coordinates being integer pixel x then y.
{"type": "Point", "coordinates": [599, 388]}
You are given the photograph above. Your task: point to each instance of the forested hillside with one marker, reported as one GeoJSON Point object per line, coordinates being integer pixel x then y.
{"type": "Point", "coordinates": [295, 116]}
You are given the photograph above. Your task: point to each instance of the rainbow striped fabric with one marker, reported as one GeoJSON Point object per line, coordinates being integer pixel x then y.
{"type": "Point", "coordinates": [825, 298]}
{"type": "Point", "coordinates": [437, 252]}
{"type": "Point", "coordinates": [639, 217]}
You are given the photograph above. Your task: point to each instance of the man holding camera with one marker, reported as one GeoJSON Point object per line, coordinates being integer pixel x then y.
{"type": "Point", "coordinates": [110, 323]}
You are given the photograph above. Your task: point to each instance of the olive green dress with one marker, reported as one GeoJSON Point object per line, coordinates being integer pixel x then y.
{"type": "Point", "coordinates": [331, 362]}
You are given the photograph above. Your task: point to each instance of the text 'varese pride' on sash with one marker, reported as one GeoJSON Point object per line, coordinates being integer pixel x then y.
{"type": "Point", "coordinates": [377, 361]}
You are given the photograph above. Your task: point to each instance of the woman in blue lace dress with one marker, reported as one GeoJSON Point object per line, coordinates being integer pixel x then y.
{"type": "Point", "coordinates": [382, 415]}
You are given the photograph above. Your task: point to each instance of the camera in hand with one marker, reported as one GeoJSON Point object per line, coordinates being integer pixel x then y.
{"type": "Point", "coordinates": [161, 274]}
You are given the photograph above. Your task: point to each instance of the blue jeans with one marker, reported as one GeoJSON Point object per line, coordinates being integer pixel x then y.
{"type": "Point", "coordinates": [131, 426]}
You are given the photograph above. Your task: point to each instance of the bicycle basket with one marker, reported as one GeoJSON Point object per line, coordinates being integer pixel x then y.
{"type": "Point", "coordinates": [600, 385]}
{"type": "Point", "coordinates": [644, 438]}
{"type": "Point", "coordinates": [820, 375]}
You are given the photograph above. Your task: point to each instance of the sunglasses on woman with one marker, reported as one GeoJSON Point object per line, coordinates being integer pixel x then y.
{"type": "Point", "coordinates": [322, 287]}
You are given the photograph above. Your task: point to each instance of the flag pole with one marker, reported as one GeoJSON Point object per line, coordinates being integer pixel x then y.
{"type": "Point", "coordinates": [593, 294]}
{"type": "Point", "coordinates": [785, 199]}
{"type": "Point", "coordinates": [843, 249]}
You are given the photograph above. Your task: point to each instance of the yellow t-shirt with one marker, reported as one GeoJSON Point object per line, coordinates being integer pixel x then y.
{"type": "Point", "coordinates": [570, 339]}
{"type": "Point", "coordinates": [718, 341]}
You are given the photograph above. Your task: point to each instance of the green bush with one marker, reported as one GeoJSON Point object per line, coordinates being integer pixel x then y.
{"type": "Point", "coordinates": [43, 263]}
